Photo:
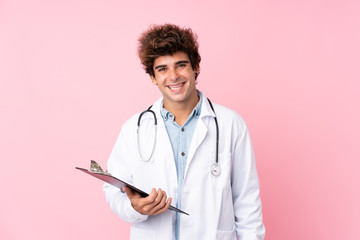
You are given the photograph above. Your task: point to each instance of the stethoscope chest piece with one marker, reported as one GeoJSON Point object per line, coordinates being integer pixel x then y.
{"type": "Point", "coordinates": [215, 169]}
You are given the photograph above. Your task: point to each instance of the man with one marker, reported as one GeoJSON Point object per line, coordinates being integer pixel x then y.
{"type": "Point", "coordinates": [178, 163]}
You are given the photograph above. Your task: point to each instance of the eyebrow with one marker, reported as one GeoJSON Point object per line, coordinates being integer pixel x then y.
{"type": "Point", "coordinates": [159, 66]}
{"type": "Point", "coordinates": [177, 63]}
{"type": "Point", "coordinates": [182, 61]}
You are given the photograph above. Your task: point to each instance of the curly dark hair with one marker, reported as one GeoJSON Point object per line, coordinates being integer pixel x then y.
{"type": "Point", "coordinates": [166, 39]}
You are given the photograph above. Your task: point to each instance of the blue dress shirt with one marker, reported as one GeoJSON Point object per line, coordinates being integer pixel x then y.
{"type": "Point", "coordinates": [180, 138]}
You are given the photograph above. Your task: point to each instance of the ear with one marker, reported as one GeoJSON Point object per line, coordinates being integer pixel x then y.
{"type": "Point", "coordinates": [197, 68]}
{"type": "Point", "coordinates": [196, 71]}
{"type": "Point", "coordinates": [153, 79]}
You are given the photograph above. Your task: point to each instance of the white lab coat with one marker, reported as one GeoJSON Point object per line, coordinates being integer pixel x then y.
{"type": "Point", "coordinates": [220, 207]}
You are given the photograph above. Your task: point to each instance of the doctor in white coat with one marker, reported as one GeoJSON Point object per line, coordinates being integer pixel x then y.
{"type": "Point", "coordinates": [220, 206]}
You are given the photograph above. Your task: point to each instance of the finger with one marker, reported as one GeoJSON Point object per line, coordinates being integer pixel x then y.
{"type": "Point", "coordinates": [141, 204]}
{"type": "Point", "coordinates": [144, 205]}
{"type": "Point", "coordinates": [151, 198]}
{"type": "Point", "coordinates": [160, 204]}
{"type": "Point", "coordinates": [166, 207]}
{"type": "Point", "coordinates": [154, 201]}
{"type": "Point", "coordinates": [159, 196]}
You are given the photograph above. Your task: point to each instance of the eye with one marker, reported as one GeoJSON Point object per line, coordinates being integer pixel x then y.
{"type": "Point", "coordinates": [182, 65]}
{"type": "Point", "coordinates": [161, 69]}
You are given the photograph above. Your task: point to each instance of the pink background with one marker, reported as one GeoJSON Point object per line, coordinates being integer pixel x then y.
{"type": "Point", "coordinates": [70, 77]}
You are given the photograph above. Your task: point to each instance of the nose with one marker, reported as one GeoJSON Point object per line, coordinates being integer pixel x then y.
{"type": "Point", "coordinates": [173, 74]}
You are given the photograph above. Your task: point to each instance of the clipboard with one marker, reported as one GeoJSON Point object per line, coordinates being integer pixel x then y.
{"type": "Point", "coordinates": [97, 172]}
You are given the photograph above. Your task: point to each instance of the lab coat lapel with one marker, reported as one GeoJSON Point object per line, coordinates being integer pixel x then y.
{"type": "Point", "coordinates": [200, 130]}
{"type": "Point", "coordinates": [163, 144]}
{"type": "Point", "coordinates": [198, 137]}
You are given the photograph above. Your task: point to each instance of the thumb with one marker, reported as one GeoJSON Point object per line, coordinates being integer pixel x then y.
{"type": "Point", "coordinates": [130, 193]}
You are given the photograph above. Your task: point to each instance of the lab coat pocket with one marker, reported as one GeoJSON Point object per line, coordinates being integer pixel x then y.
{"type": "Point", "coordinates": [223, 180]}
{"type": "Point", "coordinates": [145, 174]}
{"type": "Point", "coordinates": [226, 235]}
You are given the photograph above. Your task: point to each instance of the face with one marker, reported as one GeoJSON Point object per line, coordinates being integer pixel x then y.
{"type": "Point", "coordinates": [175, 78]}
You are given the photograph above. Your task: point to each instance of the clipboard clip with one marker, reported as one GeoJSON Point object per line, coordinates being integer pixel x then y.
{"type": "Point", "coordinates": [95, 168]}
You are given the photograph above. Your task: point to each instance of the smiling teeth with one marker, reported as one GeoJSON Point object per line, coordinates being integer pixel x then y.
{"type": "Point", "coordinates": [177, 86]}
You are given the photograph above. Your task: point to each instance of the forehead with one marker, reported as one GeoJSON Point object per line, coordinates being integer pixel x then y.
{"type": "Point", "coordinates": [171, 59]}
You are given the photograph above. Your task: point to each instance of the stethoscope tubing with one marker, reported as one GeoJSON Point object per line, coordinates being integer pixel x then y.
{"type": "Point", "coordinates": [142, 113]}
{"type": "Point", "coordinates": [138, 133]}
{"type": "Point", "coordinates": [215, 168]}
{"type": "Point", "coordinates": [217, 133]}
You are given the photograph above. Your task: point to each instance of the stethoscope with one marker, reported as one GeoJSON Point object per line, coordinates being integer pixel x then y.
{"type": "Point", "coordinates": [215, 167]}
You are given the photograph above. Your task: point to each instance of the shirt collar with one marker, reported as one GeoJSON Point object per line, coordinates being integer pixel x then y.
{"type": "Point", "coordinates": [166, 115]}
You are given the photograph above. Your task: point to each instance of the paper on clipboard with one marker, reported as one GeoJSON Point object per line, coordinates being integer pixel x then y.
{"type": "Point", "coordinates": [97, 172]}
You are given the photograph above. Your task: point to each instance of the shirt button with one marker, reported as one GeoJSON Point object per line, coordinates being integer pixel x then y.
{"type": "Point", "coordinates": [182, 154]}
{"type": "Point", "coordinates": [182, 129]}
{"type": "Point", "coordinates": [171, 115]}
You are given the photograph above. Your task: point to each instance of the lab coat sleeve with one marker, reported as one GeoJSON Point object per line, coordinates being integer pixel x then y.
{"type": "Point", "coordinates": [245, 189]}
{"type": "Point", "coordinates": [119, 165]}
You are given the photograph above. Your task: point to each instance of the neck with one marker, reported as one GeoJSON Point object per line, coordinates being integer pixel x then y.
{"type": "Point", "coordinates": [181, 110]}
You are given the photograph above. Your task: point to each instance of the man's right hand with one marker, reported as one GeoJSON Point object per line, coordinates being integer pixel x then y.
{"type": "Point", "coordinates": [153, 204]}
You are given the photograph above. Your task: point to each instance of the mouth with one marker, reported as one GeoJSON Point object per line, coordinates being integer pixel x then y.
{"type": "Point", "coordinates": [177, 86]}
